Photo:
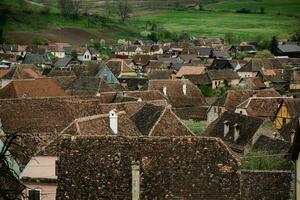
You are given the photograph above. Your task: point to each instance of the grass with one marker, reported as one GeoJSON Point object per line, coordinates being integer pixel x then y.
{"type": "Point", "coordinates": [217, 24]}
{"type": "Point", "coordinates": [274, 7]}
{"type": "Point", "coordinates": [197, 127]}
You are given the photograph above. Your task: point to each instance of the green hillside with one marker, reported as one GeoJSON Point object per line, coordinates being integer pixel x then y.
{"type": "Point", "coordinates": [280, 18]}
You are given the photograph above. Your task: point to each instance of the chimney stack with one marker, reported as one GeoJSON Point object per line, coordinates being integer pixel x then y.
{"type": "Point", "coordinates": [226, 128]}
{"type": "Point", "coordinates": [236, 132]}
{"type": "Point", "coordinates": [113, 121]}
{"type": "Point", "coordinates": [184, 88]}
{"type": "Point", "coordinates": [165, 90]}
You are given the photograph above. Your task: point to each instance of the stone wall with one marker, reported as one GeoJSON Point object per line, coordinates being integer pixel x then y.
{"type": "Point", "coordinates": [266, 185]}
{"type": "Point", "coordinates": [99, 167]}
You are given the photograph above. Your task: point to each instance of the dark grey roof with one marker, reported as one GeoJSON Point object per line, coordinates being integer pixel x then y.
{"type": "Point", "coordinates": [288, 48]}
{"type": "Point", "coordinates": [220, 54]}
{"type": "Point", "coordinates": [226, 74]}
{"type": "Point", "coordinates": [204, 52]}
{"type": "Point", "coordinates": [36, 59]}
{"type": "Point", "coordinates": [63, 62]}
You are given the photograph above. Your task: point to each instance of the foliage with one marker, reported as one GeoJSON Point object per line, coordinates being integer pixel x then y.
{"type": "Point", "coordinates": [102, 48]}
{"type": "Point", "coordinates": [263, 161]}
{"type": "Point", "coordinates": [38, 41]}
{"type": "Point", "coordinates": [70, 8]}
{"type": "Point", "coordinates": [296, 36]}
{"type": "Point", "coordinates": [231, 38]}
{"type": "Point", "coordinates": [198, 127]}
{"type": "Point", "coordinates": [264, 54]}
{"type": "Point", "coordinates": [10, 186]}
{"type": "Point", "coordinates": [262, 10]}
{"type": "Point", "coordinates": [273, 45]}
{"type": "Point", "coordinates": [244, 11]}
{"type": "Point", "coordinates": [124, 9]}
{"type": "Point", "coordinates": [74, 54]}
{"type": "Point", "coordinates": [287, 66]}
{"type": "Point", "coordinates": [221, 89]}
{"type": "Point", "coordinates": [206, 90]}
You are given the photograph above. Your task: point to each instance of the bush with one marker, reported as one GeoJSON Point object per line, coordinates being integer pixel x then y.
{"type": "Point", "coordinates": [206, 90]}
{"type": "Point", "coordinates": [244, 11]}
{"type": "Point", "coordinates": [262, 161]}
{"type": "Point", "coordinates": [231, 38]}
{"type": "Point", "coordinates": [45, 11]}
{"type": "Point", "coordinates": [39, 41]}
{"type": "Point", "coordinates": [198, 127]}
{"type": "Point", "coordinates": [264, 54]}
{"type": "Point", "coordinates": [296, 36]}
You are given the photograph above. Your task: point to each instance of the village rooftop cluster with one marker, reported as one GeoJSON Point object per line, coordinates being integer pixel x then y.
{"type": "Point", "coordinates": [170, 120]}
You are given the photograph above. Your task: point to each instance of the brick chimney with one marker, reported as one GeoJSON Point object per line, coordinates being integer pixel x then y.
{"type": "Point", "coordinates": [113, 121]}
{"type": "Point", "coordinates": [226, 128]}
{"type": "Point", "coordinates": [184, 90]}
{"type": "Point", "coordinates": [236, 132]}
{"type": "Point", "coordinates": [165, 90]}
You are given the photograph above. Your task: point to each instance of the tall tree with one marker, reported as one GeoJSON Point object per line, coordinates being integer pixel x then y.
{"type": "Point", "coordinates": [70, 7]}
{"type": "Point", "coordinates": [124, 9]}
{"type": "Point", "coordinates": [273, 45]}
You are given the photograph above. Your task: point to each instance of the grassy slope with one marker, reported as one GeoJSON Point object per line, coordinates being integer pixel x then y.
{"type": "Point", "coordinates": [216, 24]}
{"type": "Point", "coordinates": [284, 7]}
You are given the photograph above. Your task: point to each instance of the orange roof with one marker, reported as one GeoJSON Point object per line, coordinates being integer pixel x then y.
{"type": "Point", "coordinates": [188, 70]}
{"type": "Point", "coordinates": [44, 87]}
{"type": "Point", "coordinates": [3, 72]}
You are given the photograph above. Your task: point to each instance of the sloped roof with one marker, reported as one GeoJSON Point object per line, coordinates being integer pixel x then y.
{"type": "Point", "coordinates": [44, 87]}
{"type": "Point", "coordinates": [160, 74]}
{"type": "Point", "coordinates": [247, 126]}
{"type": "Point", "coordinates": [265, 107]}
{"type": "Point", "coordinates": [232, 98]}
{"type": "Point", "coordinates": [36, 59]}
{"type": "Point", "coordinates": [254, 83]}
{"type": "Point", "coordinates": [63, 62]}
{"type": "Point", "coordinates": [100, 125]}
{"type": "Point", "coordinates": [175, 94]}
{"type": "Point", "coordinates": [256, 64]}
{"type": "Point", "coordinates": [225, 74]}
{"type": "Point", "coordinates": [220, 54]}
{"type": "Point", "coordinates": [20, 72]}
{"type": "Point", "coordinates": [198, 79]}
{"type": "Point", "coordinates": [221, 64]}
{"type": "Point", "coordinates": [289, 48]}
{"type": "Point", "coordinates": [293, 106]}
{"type": "Point", "coordinates": [187, 70]}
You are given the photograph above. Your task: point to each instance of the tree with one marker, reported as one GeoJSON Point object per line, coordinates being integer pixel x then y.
{"type": "Point", "coordinates": [230, 38]}
{"type": "Point", "coordinates": [264, 54]}
{"type": "Point", "coordinates": [70, 8]}
{"type": "Point", "coordinates": [107, 7]}
{"type": "Point", "coordinates": [262, 10]}
{"type": "Point", "coordinates": [296, 36]}
{"type": "Point", "coordinates": [10, 186]}
{"type": "Point", "coordinates": [124, 9]}
{"type": "Point", "coordinates": [273, 45]}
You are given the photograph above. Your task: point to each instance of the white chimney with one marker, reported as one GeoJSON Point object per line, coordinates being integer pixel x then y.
{"type": "Point", "coordinates": [184, 88]}
{"type": "Point", "coordinates": [165, 90]}
{"type": "Point", "coordinates": [236, 132]}
{"type": "Point", "coordinates": [226, 128]}
{"type": "Point", "coordinates": [113, 121]}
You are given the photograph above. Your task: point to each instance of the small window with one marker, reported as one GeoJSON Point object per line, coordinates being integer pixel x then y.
{"type": "Point", "coordinates": [241, 112]}
{"type": "Point", "coordinates": [283, 121]}
{"type": "Point", "coordinates": [34, 194]}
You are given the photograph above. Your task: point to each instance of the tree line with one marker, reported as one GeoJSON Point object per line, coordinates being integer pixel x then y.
{"type": "Point", "coordinates": [72, 8]}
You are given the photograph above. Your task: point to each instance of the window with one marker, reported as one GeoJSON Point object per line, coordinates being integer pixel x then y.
{"type": "Point", "coordinates": [283, 121]}
{"type": "Point", "coordinates": [34, 194]}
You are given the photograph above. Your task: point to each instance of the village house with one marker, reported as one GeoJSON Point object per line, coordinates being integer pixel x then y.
{"type": "Point", "coordinates": [245, 48]}
{"type": "Point", "coordinates": [289, 50]}
{"type": "Point", "coordinates": [41, 60]}
{"type": "Point", "coordinates": [231, 99]}
{"type": "Point", "coordinates": [145, 169]}
{"type": "Point", "coordinates": [238, 131]}
{"type": "Point", "coordinates": [42, 87]}
{"type": "Point", "coordinates": [263, 107]}
{"type": "Point", "coordinates": [190, 70]}
{"type": "Point", "coordinates": [252, 83]}
{"type": "Point", "coordinates": [220, 77]}
{"type": "Point", "coordinates": [288, 110]}
{"type": "Point", "coordinates": [16, 72]}
{"type": "Point", "coordinates": [295, 81]}
{"type": "Point", "coordinates": [120, 68]}
{"type": "Point", "coordinates": [83, 54]}
{"type": "Point", "coordinates": [220, 54]}
{"type": "Point", "coordinates": [255, 65]}
{"type": "Point", "coordinates": [186, 99]}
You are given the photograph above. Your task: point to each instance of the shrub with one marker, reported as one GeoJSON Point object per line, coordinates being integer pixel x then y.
{"type": "Point", "coordinates": [263, 161]}
{"type": "Point", "coordinates": [206, 90]}
{"type": "Point", "coordinates": [264, 54]}
{"type": "Point", "coordinates": [198, 127]}
{"type": "Point", "coordinates": [45, 11]}
{"type": "Point", "coordinates": [38, 41]}
{"type": "Point", "coordinates": [244, 11]}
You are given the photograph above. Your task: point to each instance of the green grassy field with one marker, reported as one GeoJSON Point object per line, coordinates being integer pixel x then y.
{"type": "Point", "coordinates": [216, 24]}
{"type": "Point", "coordinates": [221, 19]}
{"type": "Point", "coordinates": [274, 7]}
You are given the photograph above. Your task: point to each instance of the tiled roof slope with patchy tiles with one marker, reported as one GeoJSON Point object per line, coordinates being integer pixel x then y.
{"type": "Point", "coordinates": [175, 95]}
{"type": "Point", "coordinates": [189, 164]}
{"type": "Point", "coordinates": [43, 87]}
